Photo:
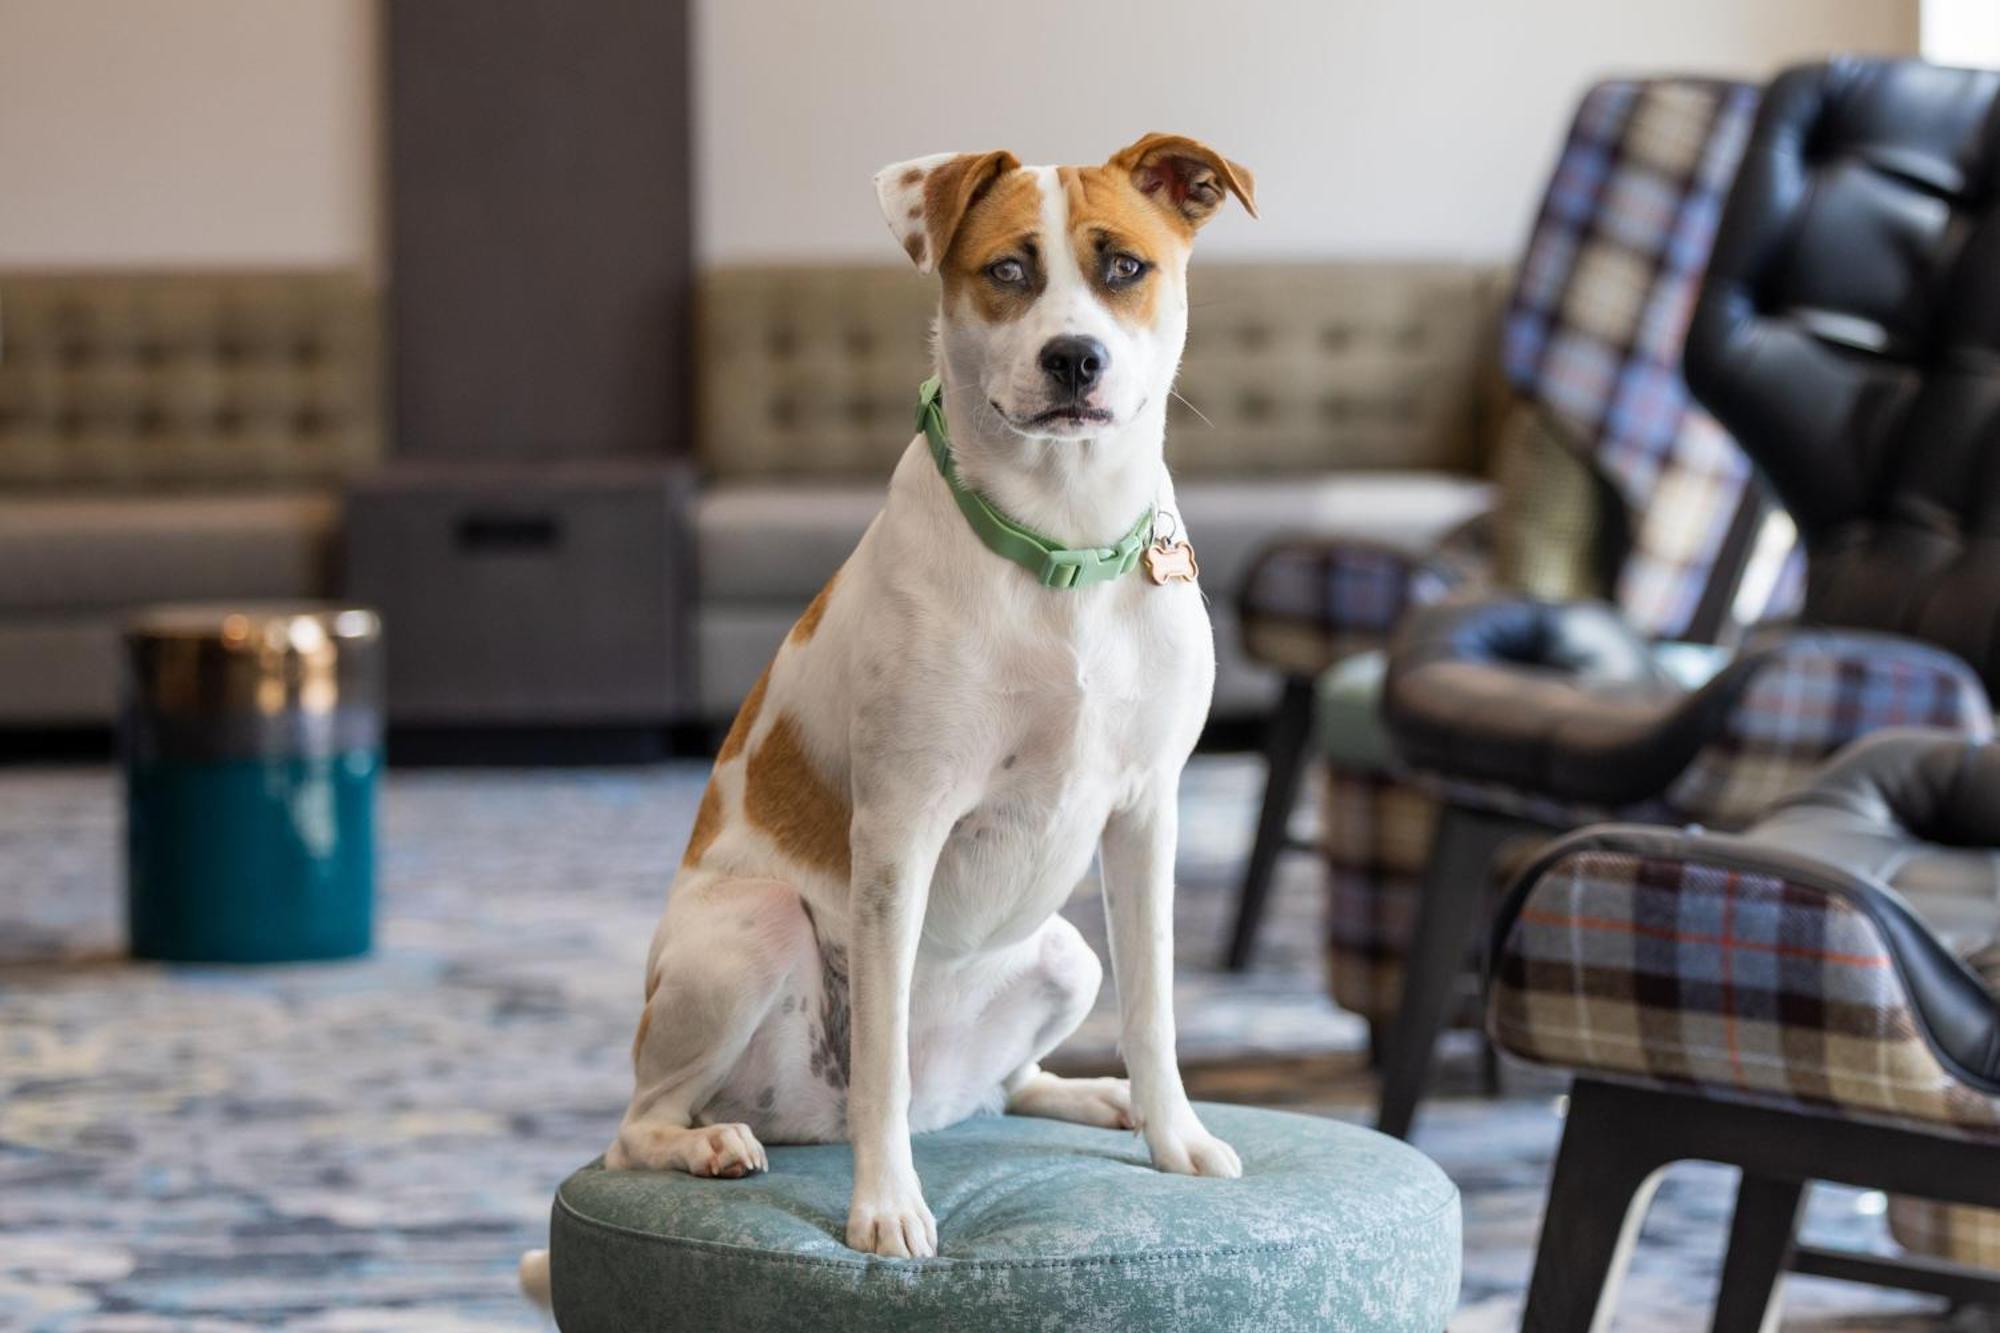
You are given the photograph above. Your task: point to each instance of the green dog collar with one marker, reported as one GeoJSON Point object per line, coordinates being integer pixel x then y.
{"type": "Point", "coordinates": [1053, 566]}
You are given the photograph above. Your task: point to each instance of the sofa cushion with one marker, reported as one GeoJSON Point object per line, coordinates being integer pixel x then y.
{"type": "Point", "coordinates": [72, 554]}
{"type": "Point", "coordinates": [147, 380]}
{"type": "Point", "coordinates": [768, 542]}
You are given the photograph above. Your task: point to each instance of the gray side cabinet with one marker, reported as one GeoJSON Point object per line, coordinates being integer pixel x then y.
{"type": "Point", "coordinates": [545, 595]}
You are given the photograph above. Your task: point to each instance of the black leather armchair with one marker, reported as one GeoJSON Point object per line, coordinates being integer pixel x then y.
{"type": "Point", "coordinates": [1848, 336]}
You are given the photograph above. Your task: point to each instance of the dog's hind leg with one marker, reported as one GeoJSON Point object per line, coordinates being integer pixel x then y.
{"type": "Point", "coordinates": [1069, 976]}
{"type": "Point", "coordinates": [726, 952]}
{"type": "Point", "coordinates": [1026, 1003]}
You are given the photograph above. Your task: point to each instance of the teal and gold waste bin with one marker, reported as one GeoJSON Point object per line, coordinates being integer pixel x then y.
{"type": "Point", "coordinates": [252, 742]}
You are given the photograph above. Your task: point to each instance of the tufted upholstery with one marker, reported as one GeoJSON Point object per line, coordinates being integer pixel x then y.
{"type": "Point", "coordinates": [1302, 367]}
{"type": "Point", "coordinates": [167, 436]}
{"type": "Point", "coordinates": [812, 371]}
{"type": "Point", "coordinates": [138, 381]}
{"type": "Point", "coordinates": [1849, 335]}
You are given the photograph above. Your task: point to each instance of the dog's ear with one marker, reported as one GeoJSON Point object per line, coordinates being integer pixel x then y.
{"type": "Point", "coordinates": [1185, 177]}
{"type": "Point", "coordinates": [923, 200]}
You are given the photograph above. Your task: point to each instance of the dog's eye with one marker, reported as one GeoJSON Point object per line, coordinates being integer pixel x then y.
{"type": "Point", "coordinates": [1125, 268]}
{"type": "Point", "coordinates": [1008, 272]}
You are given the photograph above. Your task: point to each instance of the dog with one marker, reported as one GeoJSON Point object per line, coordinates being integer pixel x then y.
{"type": "Point", "coordinates": [862, 941]}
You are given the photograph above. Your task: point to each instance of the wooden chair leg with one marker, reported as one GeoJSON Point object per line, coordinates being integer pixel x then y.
{"type": "Point", "coordinates": [1604, 1181]}
{"type": "Point", "coordinates": [1760, 1249]}
{"type": "Point", "coordinates": [1287, 750]}
{"type": "Point", "coordinates": [1451, 910]}
{"type": "Point", "coordinates": [1618, 1140]}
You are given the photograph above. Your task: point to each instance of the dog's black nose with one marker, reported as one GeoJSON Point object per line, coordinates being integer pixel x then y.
{"type": "Point", "coordinates": [1074, 363]}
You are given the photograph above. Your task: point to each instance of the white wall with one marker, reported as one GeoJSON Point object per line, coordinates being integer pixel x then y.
{"type": "Point", "coordinates": [1375, 127]}
{"type": "Point", "coordinates": [187, 132]}
{"type": "Point", "coordinates": [1961, 32]}
{"type": "Point", "coordinates": [246, 131]}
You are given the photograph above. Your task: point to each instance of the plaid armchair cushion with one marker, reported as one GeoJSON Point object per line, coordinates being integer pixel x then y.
{"type": "Point", "coordinates": [1308, 602]}
{"type": "Point", "coordinates": [1816, 691]}
{"type": "Point", "coordinates": [1703, 963]}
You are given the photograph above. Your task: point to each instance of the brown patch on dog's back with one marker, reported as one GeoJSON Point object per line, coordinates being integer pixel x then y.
{"type": "Point", "coordinates": [809, 622]}
{"type": "Point", "coordinates": [746, 718]}
{"type": "Point", "coordinates": [707, 823]}
{"type": "Point", "coordinates": [784, 795]}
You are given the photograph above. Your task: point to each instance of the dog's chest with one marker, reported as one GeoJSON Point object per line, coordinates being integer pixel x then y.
{"type": "Point", "coordinates": [1014, 859]}
{"type": "Point", "coordinates": [1081, 721]}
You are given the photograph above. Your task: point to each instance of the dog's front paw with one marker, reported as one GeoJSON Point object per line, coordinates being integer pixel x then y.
{"type": "Point", "coordinates": [891, 1219]}
{"type": "Point", "coordinates": [1186, 1149]}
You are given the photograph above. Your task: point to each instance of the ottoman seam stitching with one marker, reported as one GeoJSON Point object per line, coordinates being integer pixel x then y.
{"type": "Point", "coordinates": [1083, 1261]}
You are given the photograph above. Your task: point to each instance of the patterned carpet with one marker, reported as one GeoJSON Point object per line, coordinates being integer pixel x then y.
{"type": "Point", "coordinates": [368, 1146]}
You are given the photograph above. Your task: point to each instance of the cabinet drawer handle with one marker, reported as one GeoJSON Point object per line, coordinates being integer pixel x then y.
{"type": "Point", "coordinates": [501, 533]}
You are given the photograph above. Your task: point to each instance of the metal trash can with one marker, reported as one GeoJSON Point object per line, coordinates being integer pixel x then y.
{"type": "Point", "coordinates": [252, 745]}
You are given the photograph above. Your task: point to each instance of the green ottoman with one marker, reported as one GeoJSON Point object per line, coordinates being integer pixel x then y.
{"type": "Point", "coordinates": [1041, 1226]}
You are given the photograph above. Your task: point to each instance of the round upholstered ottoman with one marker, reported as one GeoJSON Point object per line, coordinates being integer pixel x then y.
{"type": "Point", "coordinates": [1043, 1226]}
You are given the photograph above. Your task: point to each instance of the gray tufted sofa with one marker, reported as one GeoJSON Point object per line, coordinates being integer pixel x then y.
{"type": "Point", "coordinates": [1345, 397]}
{"type": "Point", "coordinates": [167, 436]}
{"type": "Point", "coordinates": [186, 436]}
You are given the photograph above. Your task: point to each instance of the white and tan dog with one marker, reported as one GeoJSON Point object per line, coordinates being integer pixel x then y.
{"type": "Point", "coordinates": [862, 941]}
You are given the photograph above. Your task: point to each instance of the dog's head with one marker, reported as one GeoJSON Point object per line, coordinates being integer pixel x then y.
{"type": "Point", "coordinates": [1065, 288]}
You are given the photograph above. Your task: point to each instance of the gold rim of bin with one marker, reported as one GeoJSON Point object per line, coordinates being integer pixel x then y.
{"type": "Point", "coordinates": [254, 658]}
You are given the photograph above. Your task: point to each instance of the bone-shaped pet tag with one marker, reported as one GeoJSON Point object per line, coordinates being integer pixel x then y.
{"type": "Point", "coordinates": [1170, 560]}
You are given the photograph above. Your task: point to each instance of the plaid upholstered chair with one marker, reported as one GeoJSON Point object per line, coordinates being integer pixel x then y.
{"type": "Point", "coordinates": [1812, 1000]}
{"type": "Point", "coordinates": [1848, 334]}
{"type": "Point", "coordinates": [1610, 484]}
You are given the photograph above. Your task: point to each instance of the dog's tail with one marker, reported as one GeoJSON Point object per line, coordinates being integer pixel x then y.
{"type": "Point", "coordinates": [535, 1277]}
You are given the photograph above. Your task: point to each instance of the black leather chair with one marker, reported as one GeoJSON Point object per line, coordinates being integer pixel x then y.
{"type": "Point", "coordinates": [1848, 336]}
{"type": "Point", "coordinates": [1812, 1000]}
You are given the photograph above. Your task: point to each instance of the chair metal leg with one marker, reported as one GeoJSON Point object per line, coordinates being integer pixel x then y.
{"type": "Point", "coordinates": [1451, 911]}
{"type": "Point", "coordinates": [1489, 1066]}
{"type": "Point", "coordinates": [1760, 1249]}
{"type": "Point", "coordinates": [1287, 748]}
{"type": "Point", "coordinates": [1378, 1043]}
{"type": "Point", "coordinates": [1604, 1181]}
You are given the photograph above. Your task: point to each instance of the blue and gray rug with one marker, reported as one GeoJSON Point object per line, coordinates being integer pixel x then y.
{"type": "Point", "coordinates": [369, 1146]}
